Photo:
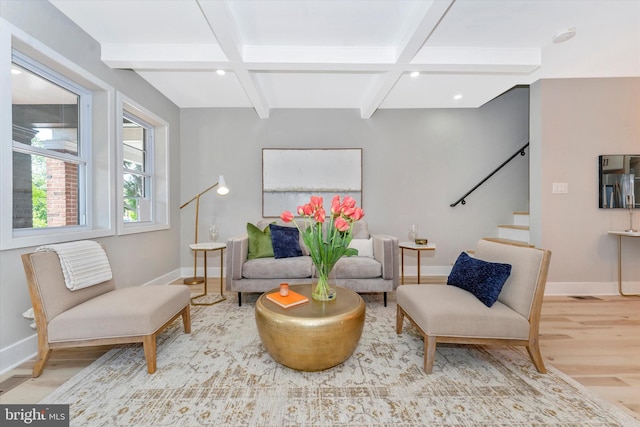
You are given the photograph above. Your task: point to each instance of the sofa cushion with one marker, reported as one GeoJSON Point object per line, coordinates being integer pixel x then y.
{"type": "Point", "coordinates": [364, 246]}
{"type": "Point", "coordinates": [482, 278]}
{"type": "Point", "coordinates": [286, 241]}
{"type": "Point", "coordinates": [355, 267]}
{"type": "Point", "coordinates": [360, 230]}
{"type": "Point", "coordinates": [441, 310]}
{"type": "Point", "coordinates": [132, 311]}
{"type": "Point", "coordinates": [283, 268]}
{"type": "Point", "coordinates": [260, 245]}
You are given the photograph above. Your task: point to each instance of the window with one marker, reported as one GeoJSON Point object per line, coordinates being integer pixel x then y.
{"type": "Point", "coordinates": [48, 165]}
{"type": "Point", "coordinates": [144, 181]}
{"type": "Point", "coordinates": [137, 165]}
{"type": "Point", "coordinates": [56, 146]}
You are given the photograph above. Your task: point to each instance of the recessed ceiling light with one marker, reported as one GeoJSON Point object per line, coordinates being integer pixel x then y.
{"type": "Point", "coordinates": [15, 71]}
{"type": "Point", "coordinates": [564, 35]}
{"type": "Point", "coordinates": [221, 72]}
{"type": "Point", "coordinates": [415, 74]}
{"type": "Point", "coordinates": [457, 96]}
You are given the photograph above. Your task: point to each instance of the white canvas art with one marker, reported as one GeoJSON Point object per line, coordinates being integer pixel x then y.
{"type": "Point", "coordinates": [291, 176]}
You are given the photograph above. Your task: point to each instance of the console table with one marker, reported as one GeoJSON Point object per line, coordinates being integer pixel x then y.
{"type": "Point", "coordinates": [204, 248]}
{"type": "Point", "coordinates": [620, 235]}
{"type": "Point", "coordinates": [413, 247]}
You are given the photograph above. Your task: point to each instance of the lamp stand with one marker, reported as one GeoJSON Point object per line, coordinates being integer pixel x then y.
{"type": "Point", "coordinates": [222, 190]}
{"type": "Point", "coordinates": [195, 279]}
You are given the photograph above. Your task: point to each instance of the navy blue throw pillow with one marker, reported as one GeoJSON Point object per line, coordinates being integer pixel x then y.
{"type": "Point", "coordinates": [482, 278]}
{"type": "Point", "coordinates": [285, 240]}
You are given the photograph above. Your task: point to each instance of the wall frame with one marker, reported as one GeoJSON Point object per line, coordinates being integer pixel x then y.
{"type": "Point", "coordinates": [291, 176]}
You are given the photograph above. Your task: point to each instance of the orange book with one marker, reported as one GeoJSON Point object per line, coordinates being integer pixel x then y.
{"type": "Point", "coordinates": [290, 300]}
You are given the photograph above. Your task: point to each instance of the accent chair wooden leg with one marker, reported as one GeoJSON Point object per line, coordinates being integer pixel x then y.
{"type": "Point", "coordinates": [399, 319]}
{"type": "Point", "coordinates": [429, 353]}
{"type": "Point", "coordinates": [239, 299]}
{"type": "Point", "coordinates": [536, 357]}
{"type": "Point", "coordinates": [43, 356]}
{"type": "Point", "coordinates": [186, 319]}
{"type": "Point", "coordinates": [385, 298]}
{"type": "Point", "coordinates": [149, 346]}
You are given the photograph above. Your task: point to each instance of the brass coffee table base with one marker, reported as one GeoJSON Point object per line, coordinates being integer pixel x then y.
{"type": "Point", "coordinates": [312, 336]}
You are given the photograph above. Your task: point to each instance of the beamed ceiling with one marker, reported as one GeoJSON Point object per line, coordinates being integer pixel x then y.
{"type": "Point", "coordinates": [357, 54]}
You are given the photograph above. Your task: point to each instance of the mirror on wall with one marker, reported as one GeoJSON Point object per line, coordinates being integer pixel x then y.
{"type": "Point", "coordinates": [619, 181]}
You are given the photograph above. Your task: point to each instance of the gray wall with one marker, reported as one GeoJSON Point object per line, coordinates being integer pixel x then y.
{"type": "Point", "coordinates": [136, 259]}
{"type": "Point", "coordinates": [573, 121]}
{"type": "Point", "coordinates": [415, 164]}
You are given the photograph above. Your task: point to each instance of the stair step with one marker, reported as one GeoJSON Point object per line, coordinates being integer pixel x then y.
{"type": "Point", "coordinates": [521, 218]}
{"type": "Point", "coordinates": [509, 241]}
{"type": "Point", "coordinates": [515, 227]}
{"type": "Point", "coordinates": [514, 232]}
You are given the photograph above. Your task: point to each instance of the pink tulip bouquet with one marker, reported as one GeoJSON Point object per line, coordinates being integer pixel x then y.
{"type": "Point", "coordinates": [327, 238]}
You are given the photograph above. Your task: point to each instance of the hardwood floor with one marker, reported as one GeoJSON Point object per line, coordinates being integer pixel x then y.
{"type": "Point", "coordinates": [594, 340]}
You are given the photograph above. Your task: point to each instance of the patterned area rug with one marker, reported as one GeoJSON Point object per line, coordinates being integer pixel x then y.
{"type": "Point", "coordinates": [221, 375]}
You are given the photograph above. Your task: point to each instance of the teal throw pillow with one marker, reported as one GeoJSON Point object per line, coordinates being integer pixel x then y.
{"type": "Point", "coordinates": [259, 242]}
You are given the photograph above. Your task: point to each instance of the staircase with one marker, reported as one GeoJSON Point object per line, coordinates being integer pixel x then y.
{"type": "Point", "coordinates": [516, 233]}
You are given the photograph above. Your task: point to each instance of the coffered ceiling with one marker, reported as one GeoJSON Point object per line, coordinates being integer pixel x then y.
{"type": "Point", "coordinates": [357, 53]}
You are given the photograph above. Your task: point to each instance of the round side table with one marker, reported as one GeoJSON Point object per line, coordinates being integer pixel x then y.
{"type": "Point", "coordinates": [312, 336]}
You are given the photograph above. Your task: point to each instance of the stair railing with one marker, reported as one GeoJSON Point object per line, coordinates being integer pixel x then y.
{"type": "Point", "coordinates": [462, 199]}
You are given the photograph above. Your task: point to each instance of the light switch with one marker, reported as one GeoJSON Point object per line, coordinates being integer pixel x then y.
{"type": "Point", "coordinates": [560, 187]}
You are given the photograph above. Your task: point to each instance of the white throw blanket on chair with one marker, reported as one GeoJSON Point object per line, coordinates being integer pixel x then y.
{"type": "Point", "coordinates": [84, 263]}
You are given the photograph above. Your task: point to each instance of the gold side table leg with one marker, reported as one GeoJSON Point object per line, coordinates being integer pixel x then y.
{"type": "Point", "coordinates": [620, 270]}
{"type": "Point", "coordinates": [222, 297]}
{"type": "Point", "coordinates": [418, 266]}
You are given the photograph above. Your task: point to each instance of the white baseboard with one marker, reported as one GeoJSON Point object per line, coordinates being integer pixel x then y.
{"type": "Point", "coordinates": [18, 353]}
{"type": "Point", "coordinates": [427, 270]}
{"type": "Point", "coordinates": [589, 288]}
{"type": "Point", "coordinates": [552, 288]}
{"type": "Point", "coordinates": [212, 272]}
{"type": "Point", "coordinates": [166, 279]}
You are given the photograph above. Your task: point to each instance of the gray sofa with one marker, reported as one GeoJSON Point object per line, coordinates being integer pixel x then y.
{"type": "Point", "coordinates": [376, 273]}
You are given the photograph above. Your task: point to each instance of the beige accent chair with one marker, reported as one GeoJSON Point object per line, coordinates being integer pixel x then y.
{"type": "Point", "coordinates": [99, 314]}
{"type": "Point", "coordinates": [448, 314]}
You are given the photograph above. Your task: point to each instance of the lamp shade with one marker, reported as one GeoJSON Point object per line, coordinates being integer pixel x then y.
{"type": "Point", "coordinates": [222, 186]}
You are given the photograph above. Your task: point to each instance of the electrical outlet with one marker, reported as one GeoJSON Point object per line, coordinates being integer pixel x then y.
{"type": "Point", "coordinates": [560, 188]}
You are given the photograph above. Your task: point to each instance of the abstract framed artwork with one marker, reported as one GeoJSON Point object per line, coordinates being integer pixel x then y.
{"type": "Point", "coordinates": [291, 176]}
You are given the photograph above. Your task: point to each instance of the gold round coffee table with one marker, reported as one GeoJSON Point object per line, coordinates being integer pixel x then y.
{"type": "Point", "coordinates": [312, 336]}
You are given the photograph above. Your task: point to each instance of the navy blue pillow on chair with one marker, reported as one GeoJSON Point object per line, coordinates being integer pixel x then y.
{"type": "Point", "coordinates": [286, 241]}
{"type": "Point", "coordinates": [482, 278]}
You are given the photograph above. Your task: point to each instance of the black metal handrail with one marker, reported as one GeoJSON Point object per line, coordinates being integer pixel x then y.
{"type": "Point", "coordinates": [461, 199]}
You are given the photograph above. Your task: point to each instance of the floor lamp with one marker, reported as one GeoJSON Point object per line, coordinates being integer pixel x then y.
{"type": "Point", "coordinates": [222, 190]}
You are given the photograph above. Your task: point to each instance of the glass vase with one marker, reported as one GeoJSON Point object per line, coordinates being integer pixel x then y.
{"type": "Point", "coordinates": [413, 233]}
{"type": "Point", "coordinates": [213, 233]}
{"type": "Point", "coordinates": [323, 287]}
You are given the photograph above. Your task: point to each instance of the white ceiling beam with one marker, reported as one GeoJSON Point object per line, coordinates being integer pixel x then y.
{"type": "Point", "coordinates": [379, 93]}
{"type": "Point", "coordinates": [223, 26]}
{"type": "Point", "coordinates": [416, 35]}
{"type": "Point", "coordinates": [162, 56]}
{"type": "Point", "coordinates": [410, 43]}
{"type": "Point", "coordinates": [318, 54]}
{"type": "Point", "coordinates": [451, 56]}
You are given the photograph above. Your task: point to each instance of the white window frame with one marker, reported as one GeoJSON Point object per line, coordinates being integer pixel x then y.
{"type": "Point", "coordinates": [158, 166]}
{"type": "Point", "coordinates": [83, 144]}
{"type": "Point", "coordinates": [97, 150]}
